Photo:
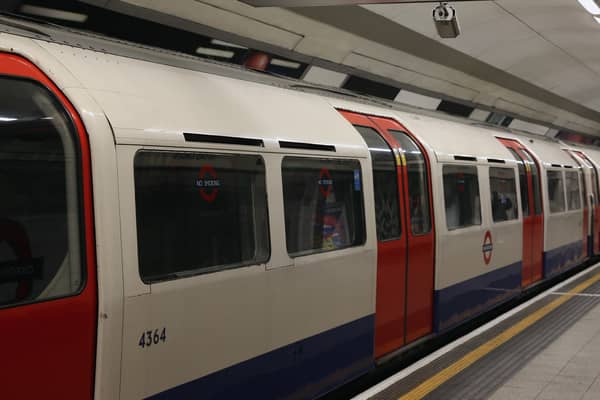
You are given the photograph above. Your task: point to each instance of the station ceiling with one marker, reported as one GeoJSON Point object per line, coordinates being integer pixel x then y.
{"type": "Point", "coordinates": [537, 59]}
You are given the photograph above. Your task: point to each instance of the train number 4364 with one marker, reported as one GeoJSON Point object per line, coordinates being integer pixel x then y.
{"type": "Point", "coordinates": [150, 337]}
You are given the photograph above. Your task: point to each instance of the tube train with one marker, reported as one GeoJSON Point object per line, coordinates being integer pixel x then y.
{"type": "Point", "coordinates": [177, 228]}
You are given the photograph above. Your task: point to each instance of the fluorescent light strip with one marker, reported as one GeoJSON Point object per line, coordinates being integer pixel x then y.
{"type": "Point", "coordinates": [590, 6]}
{"type": "Point", "coordinates": [207, 51]}
{"type": "Point", "coordinates": [597, 18]}
{"type": "Point", "coordinates": [286, 64]}
{"type": "Point", "coordinates": [226, 44]}
{"type": "Point", "coordinates": [6, 119]}
{"type": "Point", "coordinates": [53, 13]}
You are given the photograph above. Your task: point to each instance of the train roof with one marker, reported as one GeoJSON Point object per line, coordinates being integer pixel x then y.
{"type": "Point", "coordinates": [46, 32]}
{"type": "Point", "coordinates": [151, 96]}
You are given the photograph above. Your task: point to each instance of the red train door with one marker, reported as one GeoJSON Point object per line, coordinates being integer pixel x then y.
{"type": "Point", "coordinates": [584, 162]}
{"type": "Point", "coordinates": [533, 215]}
{"type": "Point", "coordinates": [47, 269]}
{"type": "Point", "coordinates": [405, 260]}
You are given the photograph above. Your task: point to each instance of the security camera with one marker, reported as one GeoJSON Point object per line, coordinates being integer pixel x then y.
{"type": "Point", "coordinates": [446, 23]}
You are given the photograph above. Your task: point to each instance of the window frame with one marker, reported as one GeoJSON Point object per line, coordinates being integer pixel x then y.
{"type": "Point", "coordinates": [177, 276]}
{"type": "Point", "coordinates": [315, 252]}
{"type": "Point", "coordinates": [82, 164]}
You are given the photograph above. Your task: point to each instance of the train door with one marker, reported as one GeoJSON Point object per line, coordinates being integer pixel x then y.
{"type": "Point", "coordinates": [533, 216]}
{"type": "Point", "coordinates": [47, 267]}
{"type": "Point", "coordinates": [405, 261]}
{"type": "Point", "coordinates": [595, 206]}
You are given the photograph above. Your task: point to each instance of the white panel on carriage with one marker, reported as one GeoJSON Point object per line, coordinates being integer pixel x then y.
{"type": "Point", "coordinates": [150, 103]}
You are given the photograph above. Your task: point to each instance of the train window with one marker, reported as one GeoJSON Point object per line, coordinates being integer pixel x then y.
{"type": "Point", "coordinates": [418, 183]}
{"type": "Point", "coordinates": [573, 192]}
{"type": "Point", "coordinates": [503, 194]}
{"type": "Point", "coordinates": [41, 242]}
{"type": "Point", "coordinates": [556, 191]}
{"type": "Point", "coordinates": [199, 213]}
{"type": "Point", "coordinates": [523, 184]}
{"type": "Point", "coordinates": [461, 196]}
{"type": "Point", "coordinates": [535, 176]}
{"type": "Point", "coordinates": [323, 204]}
{"type": "Point", "coordinates": [385, 182]}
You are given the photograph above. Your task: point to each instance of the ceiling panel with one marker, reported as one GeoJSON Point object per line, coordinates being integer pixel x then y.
{"type": "Point", "coordinates": [554, 44]}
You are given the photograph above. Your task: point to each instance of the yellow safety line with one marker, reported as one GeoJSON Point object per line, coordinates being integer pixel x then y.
{"type": "Point", "coordinates": [441, 377]}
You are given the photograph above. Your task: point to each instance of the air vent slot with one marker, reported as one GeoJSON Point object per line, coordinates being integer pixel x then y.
{"type": "Point", "coordinates": [306, 146]}
{"type": "Point", "coordinates": [465, 158]}
{"type": "Point", "coordinates": [556, 165]}
{"type": "Point", "coordinates": [568, 166]}
{"type": "Point", "coordinates": [201, 138]}
{"type": "Point", "coordinates": [496, 160]}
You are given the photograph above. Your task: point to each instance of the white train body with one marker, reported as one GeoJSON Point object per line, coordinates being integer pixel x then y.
{"type": "Point", "coordinates": [297, 322]}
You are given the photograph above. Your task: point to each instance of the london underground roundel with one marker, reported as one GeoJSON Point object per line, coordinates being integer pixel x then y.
{"type": "Point", "coordinates": [208, 183]}
{"type": "Point", "coordinates": [325, 182]}
{"type": "Point", "coordinates": [487, 247]}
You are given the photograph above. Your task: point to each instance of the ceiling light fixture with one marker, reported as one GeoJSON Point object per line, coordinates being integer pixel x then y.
{"type": "Point", "coordinates": [284, 63]}
{"type": "Point", "coordinates": [597, 18]}
{"type": "Point", "coordinates": [207, 51]}
{"type": "Point", "coordinates": [53, 13]}
{"type": "Point", "coordinates": [590, 6]}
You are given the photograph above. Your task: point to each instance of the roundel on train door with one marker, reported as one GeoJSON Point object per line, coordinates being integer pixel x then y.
{"type": "Point", "coordinates": [487, 247]}
{"type": "Point", "coordinates": [208, 183]}
{"type": "Point", "coordinates": [325, 182]}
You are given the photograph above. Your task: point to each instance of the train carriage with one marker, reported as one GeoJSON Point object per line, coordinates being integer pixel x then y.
{"type": "Point", "coordinates": [172, 228]}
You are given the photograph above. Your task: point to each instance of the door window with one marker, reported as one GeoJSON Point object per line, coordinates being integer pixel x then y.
{"type": "Point", "coordinates": [535, 175]}
{"type": "Point", "coordinates": [523, 183]}
{"type": "Point", "coordinates": [385, 182]}
{"type": "Point", "coordinates": [418, 183]}
{"type": "Point", "coordinates": [41, 242]}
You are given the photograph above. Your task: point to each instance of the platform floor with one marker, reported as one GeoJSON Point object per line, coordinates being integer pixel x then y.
{"type": "Point", "coordinates": [548, 349]}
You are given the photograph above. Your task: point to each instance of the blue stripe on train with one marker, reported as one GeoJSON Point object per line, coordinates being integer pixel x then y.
{"type": "Point", "coordinates": [464, 300]}
{"type": "Point", "coordinates": [302, 370]}
{"type": "Point", "coordinates": [562, 258]}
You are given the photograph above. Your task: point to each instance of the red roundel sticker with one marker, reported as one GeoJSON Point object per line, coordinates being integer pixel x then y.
{"type": "Point", "coordinates": [487, 247]}
{"type": "Point", "coordinates": [208, 183]}
{"type": "Point", "coordinates": [325, 182]}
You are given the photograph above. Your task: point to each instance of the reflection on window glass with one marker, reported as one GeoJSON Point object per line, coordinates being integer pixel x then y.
{"type": "Point", "coordinates": [199, 213]}
{"type": "Point", "coordinates": [40, 235]}
{"type": "Point", "coordinates": [323, 202]}
{"type": "Point", "coordinates": [418, 185]}
{"type": "Point", "coordinates": [573, 193]}
{"type": "Point", "coordinates": [556, 191]}
{"type": "Point", "coordinates": [503, 194]}
{"type": "Point", "coordinates": [523, 184]}
{"type": "Point", "coordinates": [385, 182]}
{"type": "Point", "coordinates": [461, 196]}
